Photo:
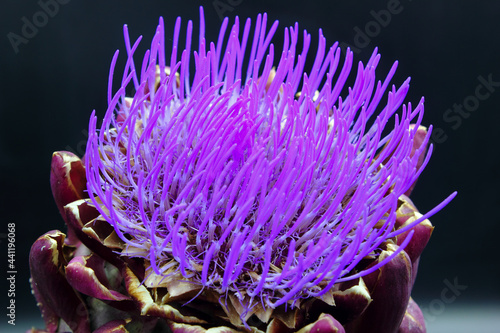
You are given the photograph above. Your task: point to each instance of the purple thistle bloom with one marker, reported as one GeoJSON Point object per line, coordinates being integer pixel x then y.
{"type": "Point", "coordinates": [265, 184]}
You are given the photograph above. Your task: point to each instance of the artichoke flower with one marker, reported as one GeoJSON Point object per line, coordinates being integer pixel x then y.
{"type": "Point", "coordinates": [241, 197]}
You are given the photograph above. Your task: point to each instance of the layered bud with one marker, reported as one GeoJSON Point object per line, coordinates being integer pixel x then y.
{"type": "Point", "coordinates": [258, 200]}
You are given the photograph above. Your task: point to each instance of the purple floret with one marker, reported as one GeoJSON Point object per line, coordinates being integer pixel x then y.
{"type": "Point", "coordinates": [233, 179]}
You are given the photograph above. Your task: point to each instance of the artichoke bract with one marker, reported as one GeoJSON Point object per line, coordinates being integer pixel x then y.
{"type": "Point", "coordinates": [241, 197]}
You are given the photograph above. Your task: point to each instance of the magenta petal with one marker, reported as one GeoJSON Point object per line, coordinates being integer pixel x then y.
{"type": "Point", "coordinates": [408, 213]}
{"type": "Point", "coordinates": [49, 316]}
{"type": "Point", "coordinates": [115, 326]}
{"type": "Point", "coordinates": [148, 307]}
{"type": "Point", "coordinates": [413, 321]}
{"type": "Point", "coordinates": [84, 279]}
{"type": "Point", "coordinates": [67, 179]}
{"type": "Point", "coordinates": [421, 232]}
{"type": "Point", "coordinates": [414, 271]}
{"type": "Point", "coordinates": [187, 328]}
{"type": "Point", "coordinates": [68, 183]}
{"type": "Point", "coordinates": [351, 300]}
{"type": "Point", "coordinates": [390, 290]}
{"type": "Point", "coordinates": [77, 214]}
{"type": "Point", "coordinates": [324, 324]}
{"type": "Point", "coordinates": [56, 298]}
{"type": "Point", "coordinates": [418, 141]}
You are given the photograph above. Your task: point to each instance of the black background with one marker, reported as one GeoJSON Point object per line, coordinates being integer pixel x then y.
{"type": "Point", "coordinates": [52, 84]}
